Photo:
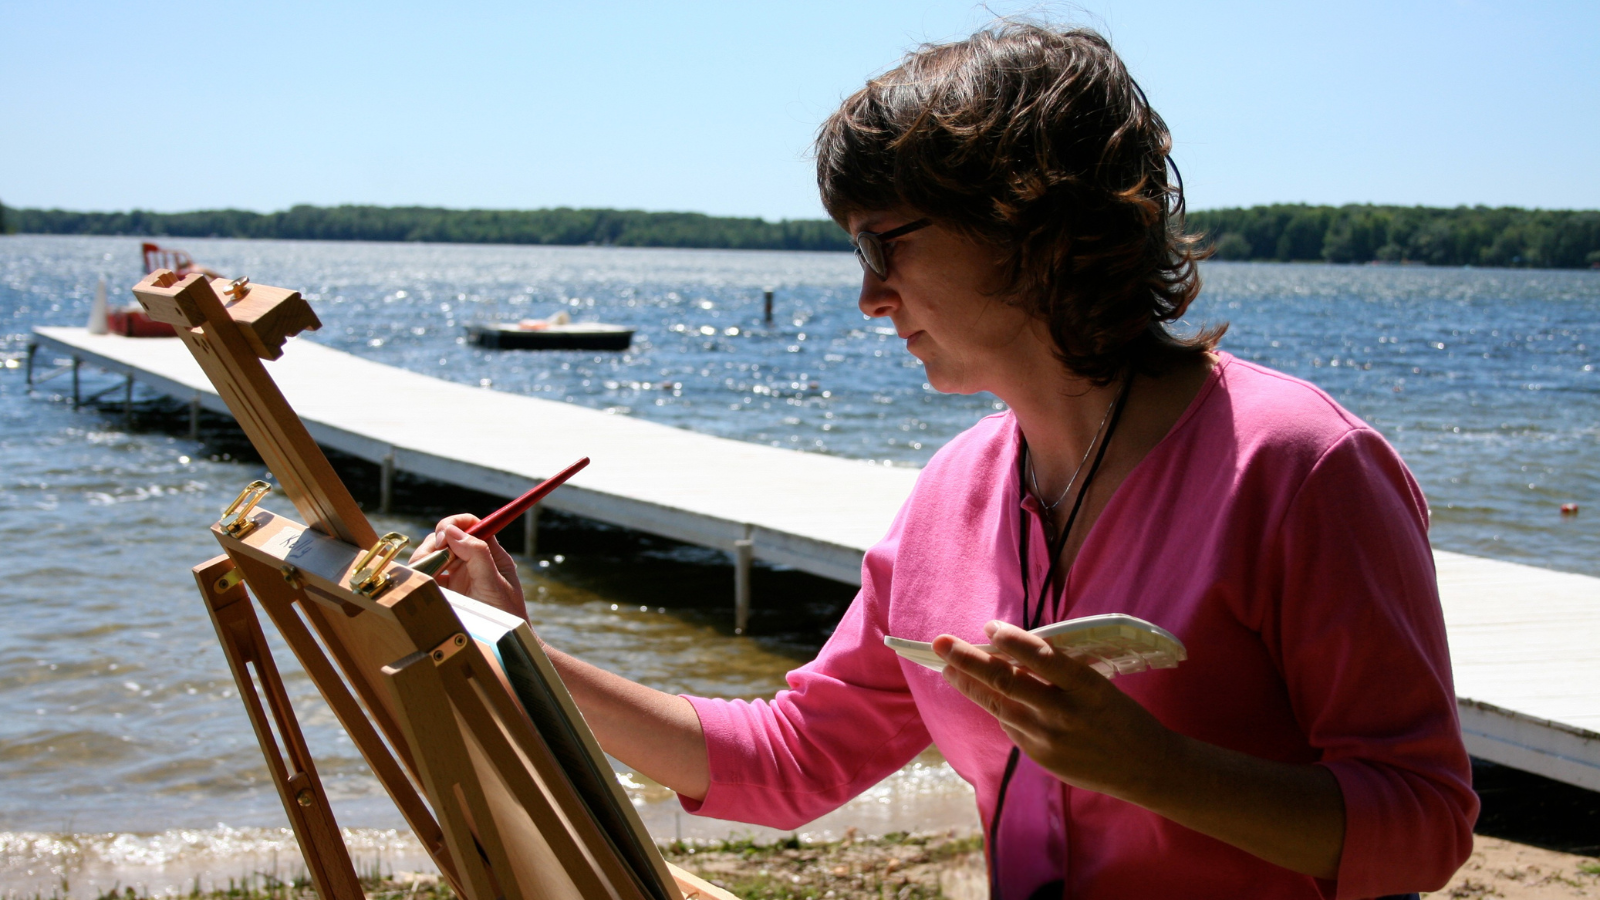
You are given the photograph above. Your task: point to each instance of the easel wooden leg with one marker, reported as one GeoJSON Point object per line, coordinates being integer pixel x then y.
{"type": "Point", "coordinates": [294, 773]}
{"type": "Point", "coordinates": [448, 777]}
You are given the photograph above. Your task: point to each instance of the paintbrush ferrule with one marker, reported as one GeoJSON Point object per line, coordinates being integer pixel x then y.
{"type": "Point", "coordinates": [433, 563]}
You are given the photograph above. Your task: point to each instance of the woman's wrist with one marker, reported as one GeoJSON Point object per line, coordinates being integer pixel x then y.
{"type": "Point", "coordinates": [1286, 813]}
{"type": "Point", "coordinates": [1161, 768]}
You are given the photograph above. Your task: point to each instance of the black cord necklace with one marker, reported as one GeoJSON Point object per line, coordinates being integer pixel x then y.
{"type": "Point", "coordinates": [1031, 616]}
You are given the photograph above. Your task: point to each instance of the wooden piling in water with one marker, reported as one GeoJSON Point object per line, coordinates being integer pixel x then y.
{"type": "Point", "coordinates": [386, 483]}
{"type": "Point", "coordinates": [743, 557]}
{"type": "Point", "coordinates": [530, 531]}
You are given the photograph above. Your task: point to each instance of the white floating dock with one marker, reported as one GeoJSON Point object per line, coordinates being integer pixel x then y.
{"type": "Point", "coordinates": [1524, 641]}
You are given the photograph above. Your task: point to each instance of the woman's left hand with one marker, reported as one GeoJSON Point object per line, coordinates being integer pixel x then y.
{"type": "Point", "coordinates": [1066, 716]}
{"type": "Point", "coordinates": [1077, 726]}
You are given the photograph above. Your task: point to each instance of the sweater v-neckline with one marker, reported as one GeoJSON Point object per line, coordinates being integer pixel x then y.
{"type": "Point", "coordinates": [1031, 503]}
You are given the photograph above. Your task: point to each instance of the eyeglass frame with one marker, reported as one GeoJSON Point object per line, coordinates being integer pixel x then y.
{"type": "Point", "coordinates": [878, 242]}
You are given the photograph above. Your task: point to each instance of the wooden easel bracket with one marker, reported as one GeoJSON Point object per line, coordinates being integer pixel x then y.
{"type": "Point", "coordinates": [229, 356]}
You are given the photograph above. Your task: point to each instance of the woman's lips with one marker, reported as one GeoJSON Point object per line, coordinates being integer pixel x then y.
{"type": "Point", "coordinates": [912, 338]}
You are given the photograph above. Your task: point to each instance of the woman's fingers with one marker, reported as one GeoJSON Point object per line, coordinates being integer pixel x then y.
{"type": "Point", "coordinates": [1007, 692]}
{"type": "Point", "coordinates": [473, 552]}
{"type": "Point", "coordinates": [489, 576]}
{"type": "Point", "coordinates": [429, 544]}
{"type": "Point", "coordinates": [1043, 660]}
{"type": "Point", "coordinates": [460, 520]}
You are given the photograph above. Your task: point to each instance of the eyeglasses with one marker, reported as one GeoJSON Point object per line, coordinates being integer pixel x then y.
{"type": "Point", "coordinates": [872, 247]}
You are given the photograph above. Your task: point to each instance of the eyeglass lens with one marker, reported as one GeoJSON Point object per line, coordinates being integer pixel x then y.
{"type": "Point", "coordinates": [869, 250]}
{"type": "Point", "coordinates": [872, 246]}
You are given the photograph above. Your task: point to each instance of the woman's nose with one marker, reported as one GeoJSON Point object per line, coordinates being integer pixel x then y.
{"type": "Point", "coordinates": [877, 298]}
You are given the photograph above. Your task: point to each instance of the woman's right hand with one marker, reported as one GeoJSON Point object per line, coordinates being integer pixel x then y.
{"type": "Point", "coordinates": [482, 570]}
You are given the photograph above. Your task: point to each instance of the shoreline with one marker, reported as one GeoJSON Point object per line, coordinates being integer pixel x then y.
{"type": "Point", "coordinates": [908, 866]}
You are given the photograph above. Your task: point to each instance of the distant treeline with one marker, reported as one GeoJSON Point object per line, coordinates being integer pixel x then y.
{"type": "Point", "coordinates": [623, 228]}
{"type": "Point", "coordinates": [1464, 236]}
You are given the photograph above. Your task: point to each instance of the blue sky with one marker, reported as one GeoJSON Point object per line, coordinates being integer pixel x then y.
{"type": "Point", "coordinates": [711, 106]}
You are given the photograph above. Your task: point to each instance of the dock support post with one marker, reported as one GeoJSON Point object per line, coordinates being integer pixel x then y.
{"type": "Point", "coordinates": [386, 483]}
{"type": "Point", "coordinates": [767, 299]}
{"type": "Point", "coordinates": [127, 404]}
{"type": "Point", "coordinates": [743, 554]}
{"type": "Point", "coordinates": [76, 363]}
{"type": "Point", "coordinates": [194, 418]}
{"type": "Point", "coordinates": [530, 531]}
{"type": "Point", "coordinates": [33, 348]}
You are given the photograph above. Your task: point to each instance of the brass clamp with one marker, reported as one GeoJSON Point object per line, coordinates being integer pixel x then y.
{"type": "Point", "coordinates": [240, 509]}
{"type": "Point", "coordinates": [370, 580]}
{"type": "Point", "coordinates": [237, 288]}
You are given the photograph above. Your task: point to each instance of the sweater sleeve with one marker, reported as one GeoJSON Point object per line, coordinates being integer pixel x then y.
{"type": "Point", "coordinates": [846, 722]}
{"type": "Point", "coordinates": [1361, 640]}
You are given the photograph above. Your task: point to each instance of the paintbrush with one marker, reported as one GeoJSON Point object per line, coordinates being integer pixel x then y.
{"type": "Point", "coordinates": [491, 524]}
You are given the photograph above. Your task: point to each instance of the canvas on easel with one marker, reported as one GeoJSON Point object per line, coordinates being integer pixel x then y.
{"type": "Point", "coordinates": [452, 703]}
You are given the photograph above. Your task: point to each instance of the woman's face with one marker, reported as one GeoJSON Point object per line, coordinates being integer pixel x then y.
{"type": "Point", "coordinates": [938, 295]}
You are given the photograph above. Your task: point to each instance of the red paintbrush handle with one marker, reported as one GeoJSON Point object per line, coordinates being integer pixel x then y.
{"type": "Point", "coordinates": [505, 515]}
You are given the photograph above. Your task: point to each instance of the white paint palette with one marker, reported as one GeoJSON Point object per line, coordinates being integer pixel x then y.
{"type": "Point", "coordinates": [1112, 644]}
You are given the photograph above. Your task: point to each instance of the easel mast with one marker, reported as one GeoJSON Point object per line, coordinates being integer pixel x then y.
{"type": "Point", "coordinates": [427, 705]}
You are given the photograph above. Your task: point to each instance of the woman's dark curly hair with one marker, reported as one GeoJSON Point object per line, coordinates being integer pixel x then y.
{"type": "Point", "coordinates": [1038, 144]}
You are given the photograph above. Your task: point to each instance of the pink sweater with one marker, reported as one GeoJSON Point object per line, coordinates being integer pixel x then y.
{"type": "Point", "coordinates": [1278, 536]}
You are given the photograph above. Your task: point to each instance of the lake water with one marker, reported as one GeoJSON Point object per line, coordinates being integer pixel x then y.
{"type": "Point", "coordinates": [117, 712]}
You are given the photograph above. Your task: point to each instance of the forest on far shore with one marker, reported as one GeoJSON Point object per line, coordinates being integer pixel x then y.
{"type": "Point", "coordinates": [562, 226]}
{"type": "Point", "coordinates": [1462, 236]}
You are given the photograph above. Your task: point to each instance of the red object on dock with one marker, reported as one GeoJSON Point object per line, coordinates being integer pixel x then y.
{"type": "Point", "coordinates": [156, 257]}
{"type": "Point", "coordinates": [133, 322]}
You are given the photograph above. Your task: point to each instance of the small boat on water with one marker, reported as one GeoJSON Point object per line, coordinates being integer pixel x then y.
{"type": "Point", "coordinates": [558, 332]}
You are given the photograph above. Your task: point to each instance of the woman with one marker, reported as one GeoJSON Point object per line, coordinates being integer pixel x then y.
{"type": "Point", "coordinates": [1014, 216]}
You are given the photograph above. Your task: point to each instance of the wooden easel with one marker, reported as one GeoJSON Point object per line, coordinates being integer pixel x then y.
{"type": "Point", "coordinates": [503, 809]}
